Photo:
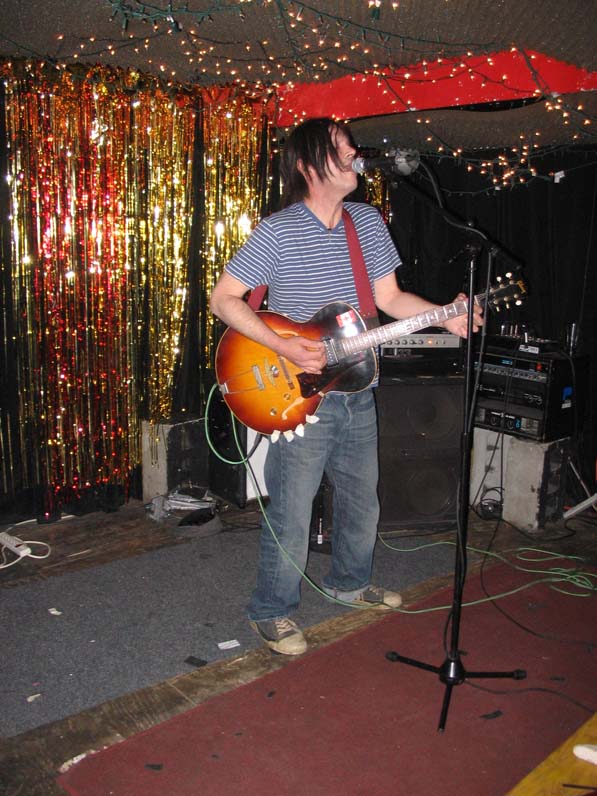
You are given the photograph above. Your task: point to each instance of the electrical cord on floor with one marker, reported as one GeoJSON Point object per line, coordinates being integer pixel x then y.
{"type": "Point", "coordinates": [19, 548]}
{"type": "Point", "coordinates": [531, 690]}
{"type": "Point", "coordinates": [584, 583]}
{"type": "Point", "coordinates": [551, 578]}
{"type": "Point", "coordinates": [587, 581]}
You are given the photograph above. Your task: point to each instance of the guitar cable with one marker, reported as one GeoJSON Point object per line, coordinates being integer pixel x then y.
{"type": "Point", "coordinates": [244, 460]}
{"type": "Point", "coordinates": [558, 576]}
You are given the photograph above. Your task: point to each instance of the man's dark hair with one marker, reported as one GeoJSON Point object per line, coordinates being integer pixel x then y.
{"type": "Point", "coordinates": [310, 143]}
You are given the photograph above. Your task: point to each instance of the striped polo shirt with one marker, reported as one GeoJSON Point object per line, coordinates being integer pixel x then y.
{"type": "Point", "coordinates": [306, 265]}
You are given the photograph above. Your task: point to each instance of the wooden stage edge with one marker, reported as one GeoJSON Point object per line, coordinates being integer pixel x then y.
{"type": "Point", "coordinates": [30, 762]}
{"type": "Point", "coordinates": [562, 772]}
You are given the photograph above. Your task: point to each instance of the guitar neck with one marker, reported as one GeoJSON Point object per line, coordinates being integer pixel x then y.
{"type": "Point", "coordinates": [390, 331]}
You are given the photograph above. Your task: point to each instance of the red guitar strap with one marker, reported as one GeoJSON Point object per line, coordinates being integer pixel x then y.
{"type": "Point", "coordinates": [256, 297]}
{"type": "Point", "coordinates": [367, 306]}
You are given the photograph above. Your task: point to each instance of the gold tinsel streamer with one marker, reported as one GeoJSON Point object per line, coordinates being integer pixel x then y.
{"type": "Point", "coordinates": [100, 188]}
{"type": "Point", "coordinates": [231, 191]}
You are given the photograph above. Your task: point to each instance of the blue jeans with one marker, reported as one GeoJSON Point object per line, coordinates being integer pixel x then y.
{"type": "Point", "coordinates": [344, 445]}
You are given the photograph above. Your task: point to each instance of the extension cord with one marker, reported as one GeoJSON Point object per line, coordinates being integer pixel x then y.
{"type": "Point", "coordinates": [16, 545]}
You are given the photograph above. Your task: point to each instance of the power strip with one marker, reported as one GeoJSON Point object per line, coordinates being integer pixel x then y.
{"type": "Point", "coordinates": [13, 543]}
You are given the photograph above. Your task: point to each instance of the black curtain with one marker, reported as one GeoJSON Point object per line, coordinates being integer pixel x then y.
{"type": "Point", "coordinates": [191, 383]}
{"type": "Point", "coordinates": [547, 227]}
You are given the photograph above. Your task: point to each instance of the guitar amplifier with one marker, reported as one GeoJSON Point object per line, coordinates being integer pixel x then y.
{"type": "Point", "coordinates": [539, 396]}
{"type": "Point", "coordinates": [432, 352]}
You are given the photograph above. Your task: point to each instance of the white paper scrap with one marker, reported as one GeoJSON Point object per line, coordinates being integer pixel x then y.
{"type": "Point", "coordinates": [74, 760]}
{"type": "Point", "coordinates": [228, 645]}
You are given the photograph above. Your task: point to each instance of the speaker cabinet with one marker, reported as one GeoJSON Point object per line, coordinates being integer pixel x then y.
{"type": "Point", "coordinates": [173, 455]}
{"type": "Point", "coordinates": [420, 424]}
{"type": "Point", "coordinates": [232, 482]}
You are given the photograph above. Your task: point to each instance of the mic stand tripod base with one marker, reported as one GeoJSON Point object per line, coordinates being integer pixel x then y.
{"type": "Point", "coordinates": [452, 673]}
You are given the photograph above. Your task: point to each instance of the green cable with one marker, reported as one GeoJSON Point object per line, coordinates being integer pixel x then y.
{"type": "Point", "coordinates": [580, 579]}
{"type": "Point", "coordinates": [245, 461]}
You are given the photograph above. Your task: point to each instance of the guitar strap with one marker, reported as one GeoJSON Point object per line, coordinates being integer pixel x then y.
{"type": "Point", "coordinates": [367, 306]}
{"type": "Point", "coordinates": [256, 297]}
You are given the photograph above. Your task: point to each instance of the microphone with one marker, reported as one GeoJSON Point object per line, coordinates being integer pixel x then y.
{"type": "Point", "coordinates": [404, 161]}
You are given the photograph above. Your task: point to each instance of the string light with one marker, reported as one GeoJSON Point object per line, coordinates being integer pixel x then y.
{"type": "Point", "coordinates": [308, 28]}
{"type": "Point", "coordinates": [93, 242]}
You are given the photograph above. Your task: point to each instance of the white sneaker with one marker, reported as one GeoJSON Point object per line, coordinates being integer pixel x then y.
{"type": "Point", "coordinates": [281, 635]}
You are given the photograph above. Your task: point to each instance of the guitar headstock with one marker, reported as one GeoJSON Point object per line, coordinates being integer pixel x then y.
{"type": "Point", "coordinates": [508, 291]}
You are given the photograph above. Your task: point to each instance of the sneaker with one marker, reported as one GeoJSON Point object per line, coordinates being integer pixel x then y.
{"type": "Point", "coordinates": [376, 596]}
{"type": "Point", "coordinates": [281, 635]}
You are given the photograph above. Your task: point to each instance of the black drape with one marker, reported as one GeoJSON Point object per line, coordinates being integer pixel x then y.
{"type": "Point", "coordinates": [547, 226]}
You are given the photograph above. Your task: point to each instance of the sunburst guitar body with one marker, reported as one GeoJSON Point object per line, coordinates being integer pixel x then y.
{"type": "Point", "coordinates": [271, 395]}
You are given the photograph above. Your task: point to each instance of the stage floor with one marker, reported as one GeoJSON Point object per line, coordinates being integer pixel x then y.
{"type": "Point", "coordinates": [30, 760]}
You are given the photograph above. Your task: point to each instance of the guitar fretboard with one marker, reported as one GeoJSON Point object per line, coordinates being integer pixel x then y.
{"type": "Point", "coordinates": [381, 334]}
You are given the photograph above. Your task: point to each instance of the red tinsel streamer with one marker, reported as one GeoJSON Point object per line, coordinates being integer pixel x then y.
{"type": "Point", "coordinates": [101, 215]}
{"type": "Point", "coordinates": [76, 373]}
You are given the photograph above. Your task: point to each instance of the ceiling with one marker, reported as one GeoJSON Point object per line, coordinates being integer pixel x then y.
{"type": "Point", "coordinates": [265, 43]}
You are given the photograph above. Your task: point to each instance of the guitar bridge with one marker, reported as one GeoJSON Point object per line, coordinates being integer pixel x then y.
{"type": "Point", "coordinates": [242, 382]}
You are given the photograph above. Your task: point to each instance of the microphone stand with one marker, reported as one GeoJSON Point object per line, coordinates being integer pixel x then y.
{"type": "Point", "coordinates": [452, 672]}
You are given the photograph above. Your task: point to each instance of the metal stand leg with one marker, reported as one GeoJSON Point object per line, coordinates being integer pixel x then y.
{"type": "Point", "coordinates": [590, 501]}
{"type": "Point", "coordinates": [452, 671]}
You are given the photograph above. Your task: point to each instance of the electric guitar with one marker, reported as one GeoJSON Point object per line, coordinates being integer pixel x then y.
{"type": "Point", "coordinates": [271, 395]}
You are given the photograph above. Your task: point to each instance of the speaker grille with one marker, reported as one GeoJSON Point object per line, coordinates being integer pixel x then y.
{"type": "Point", "coordinates": [187, 455]}
{"type": "Point", "coordinates": [231, 482]}
{"type": "Point", "coordinates": [420, 423]}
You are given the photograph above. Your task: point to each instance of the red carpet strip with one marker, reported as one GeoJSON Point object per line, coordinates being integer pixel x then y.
{"type": "Point", "coordinates": [345, 721]}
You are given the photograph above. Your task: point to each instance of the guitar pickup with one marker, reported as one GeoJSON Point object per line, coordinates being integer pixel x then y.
{"type": "Point", "coordinates": [330, 351]}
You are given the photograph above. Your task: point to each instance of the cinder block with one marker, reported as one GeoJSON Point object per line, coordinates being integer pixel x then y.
{"type": "Point", "coordinates": [527, 476]}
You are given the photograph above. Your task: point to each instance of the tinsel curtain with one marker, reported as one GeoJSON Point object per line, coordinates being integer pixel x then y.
{"type": "Point", "coordinates": [123, 202]}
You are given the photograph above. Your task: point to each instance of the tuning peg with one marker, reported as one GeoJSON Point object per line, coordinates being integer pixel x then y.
{"type": "Point", "coordinates": [300, 430]}
{"type": "Point", "coordinates": [289, 435]}
{"type": "Point", "coordinates": [275, 436]}
{"type": "Point", "coordinates": [312, 419]}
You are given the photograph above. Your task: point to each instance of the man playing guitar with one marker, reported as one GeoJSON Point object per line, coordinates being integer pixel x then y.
{"type": "Point", "coordinates": [301, 253]}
